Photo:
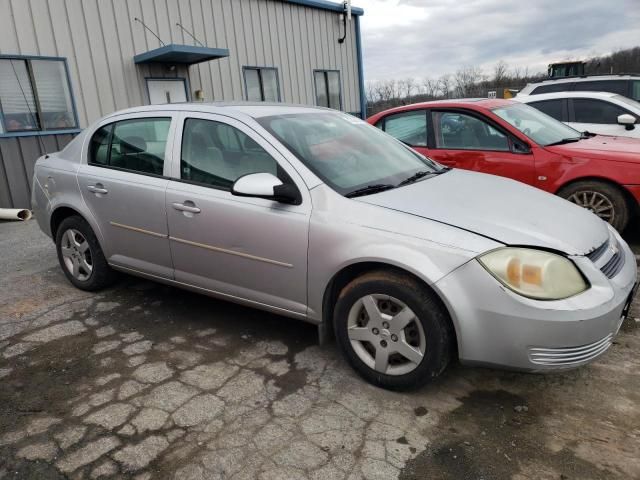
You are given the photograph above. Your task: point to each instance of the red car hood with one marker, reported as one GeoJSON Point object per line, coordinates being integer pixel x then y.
{"type": "Point", "coordinates": [621, 149]}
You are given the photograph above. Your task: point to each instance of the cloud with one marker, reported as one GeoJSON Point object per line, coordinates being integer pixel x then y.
{"type": "Point", "coordinates": [428, 38]}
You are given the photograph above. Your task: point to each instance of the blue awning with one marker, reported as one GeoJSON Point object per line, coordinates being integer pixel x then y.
{"type": "Point", "coordinates": [184, 54]}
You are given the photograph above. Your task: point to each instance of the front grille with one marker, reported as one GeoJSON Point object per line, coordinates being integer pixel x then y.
{"type": "Point", "coordinates": [612, 265]}
{"type": "Point", "coordinates": [598, 252]}
{"type": "Point", "coordinates": [569, 356]}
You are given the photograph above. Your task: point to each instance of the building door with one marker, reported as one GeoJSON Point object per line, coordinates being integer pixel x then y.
{"type": "Point", "coordinates": [166, 90]}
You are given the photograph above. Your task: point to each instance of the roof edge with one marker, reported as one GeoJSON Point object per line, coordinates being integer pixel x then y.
{"type": "Point", "coordinates": [326, 5]}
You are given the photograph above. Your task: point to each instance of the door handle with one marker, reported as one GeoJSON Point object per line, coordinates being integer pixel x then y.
{"type": "Point", "coordinates": [187, 206]}
{"type": "Point", "coordinates": [97, 188]}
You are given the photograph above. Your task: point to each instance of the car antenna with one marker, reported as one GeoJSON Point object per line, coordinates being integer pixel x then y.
{"type": "Point", "coordinates": [43, 150]}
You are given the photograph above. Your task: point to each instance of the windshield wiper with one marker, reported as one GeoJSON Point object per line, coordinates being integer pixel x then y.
{"type": "Point", "coordinates": [587, 134]}
{"type": "Point", "coordinates": [563, 141]}
{"type": "Point", "coordinates": [415, 177]}
{"type": "Point", "coordinates": [421, 174]}
{"type": "Point", "coordinates": [369, 189]}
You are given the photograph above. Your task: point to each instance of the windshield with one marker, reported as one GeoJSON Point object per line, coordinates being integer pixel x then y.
{"type": "Point", "coordinates": [345, 152]}
{"type": "Point", "coordinates": [538, 126]}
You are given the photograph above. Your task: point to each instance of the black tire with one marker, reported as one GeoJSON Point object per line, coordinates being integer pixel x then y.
{"type": "Point", "coordinates": [613, 194]}
{"type": "Point", "coordinates": [102, 275]}
{"type": "Point", "coordinates": [427, 308]}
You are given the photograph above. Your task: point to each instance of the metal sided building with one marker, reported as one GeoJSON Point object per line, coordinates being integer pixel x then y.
{"type": "Point", "coordinates": [66, 63]}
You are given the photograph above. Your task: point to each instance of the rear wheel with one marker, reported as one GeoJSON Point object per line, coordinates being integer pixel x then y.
{"type": "Point", "coordinates": [605, 200]}
{"type": "Point", "coordinates": [393, 331]}
{"type": "Point", "coordinates": [80, 255]}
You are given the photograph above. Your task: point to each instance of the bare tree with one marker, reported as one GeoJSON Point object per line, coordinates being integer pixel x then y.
{"type": "Point", "coordinates": [371, 92]}
{"type": "Point", "coordinates": [431, 87]}
{"type": "Point", "coordinates": [500, 74]}
{"type": "Point", "coordinates": [445, 86]}
{"type": "Point", "coordinates": [467, 80]}
{"type": "Point", "coordinates": [409, 85]}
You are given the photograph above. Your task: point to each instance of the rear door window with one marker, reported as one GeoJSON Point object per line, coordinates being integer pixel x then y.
{"type": "Point", "coordinates": [137, 145]}
{"type": "Point", "coordinates": [587, 110]}
{"type": "Point", "coordinates": [553, 108]}
{"type": "Point", "coordinates": [408, 127]}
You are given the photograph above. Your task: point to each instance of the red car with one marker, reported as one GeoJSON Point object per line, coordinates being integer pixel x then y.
{"type": "Point", "coordinates": [510, 139]}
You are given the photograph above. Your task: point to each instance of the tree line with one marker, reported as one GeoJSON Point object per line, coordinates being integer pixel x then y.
{"type": "Point", "coordinates": [472, 81]}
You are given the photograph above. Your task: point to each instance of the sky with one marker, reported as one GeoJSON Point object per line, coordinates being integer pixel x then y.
{"type": "Point", "coordinates": [429, 38]}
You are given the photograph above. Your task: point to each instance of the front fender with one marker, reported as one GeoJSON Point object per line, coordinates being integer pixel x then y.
{"type": "Point", "coordinates": [426, 249]}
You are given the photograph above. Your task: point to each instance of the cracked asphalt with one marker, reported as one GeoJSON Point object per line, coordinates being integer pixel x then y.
{"type": "Point", "coordinates": [146, 381]}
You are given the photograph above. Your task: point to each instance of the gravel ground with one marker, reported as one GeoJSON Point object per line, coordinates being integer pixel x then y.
{"type": "Point", "coordinates": [146, 381]}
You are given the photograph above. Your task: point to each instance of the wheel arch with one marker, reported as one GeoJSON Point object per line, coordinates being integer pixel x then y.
{"type": "Point", "coordinates": [631, 203]}
{"type": "Point", "coordinates": [61, 212]}
{"type": "Point", "coordinates": [349, 272]}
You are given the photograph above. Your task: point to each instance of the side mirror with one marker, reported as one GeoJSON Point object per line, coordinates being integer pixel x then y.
{"type": "Point", "coordinates": [265, 185]}
{"type": "Point", "coordinates": [627, 120]}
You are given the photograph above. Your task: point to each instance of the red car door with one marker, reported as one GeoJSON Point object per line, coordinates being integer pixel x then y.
{"type": "Point", "coordinates": [464, 139]}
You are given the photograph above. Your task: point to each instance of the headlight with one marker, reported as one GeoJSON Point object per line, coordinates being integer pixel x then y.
{"type": "Point", "coordinates": [534, 273]}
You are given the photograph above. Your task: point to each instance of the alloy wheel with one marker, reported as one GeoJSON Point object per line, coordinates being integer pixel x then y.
{"type": "Point", "coordinates": [76, 254]}
{"type": "Point", "coordinates": [386, 334]}
{"type": "Point", "coordinates": [596, 203]}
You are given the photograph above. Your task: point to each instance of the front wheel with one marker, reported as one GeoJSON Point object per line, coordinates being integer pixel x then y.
{"type": "Point", "coordinates": [393, 331]}
{"type": "Point", "coordinates": [80, 255]}
{"type": "Point", "coordinates": [605, 200]}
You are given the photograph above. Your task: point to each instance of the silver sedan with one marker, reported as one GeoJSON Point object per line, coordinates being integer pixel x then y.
{"type": "Point", "coordinates": [313, 214]}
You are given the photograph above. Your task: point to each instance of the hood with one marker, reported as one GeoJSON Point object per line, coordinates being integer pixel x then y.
{"type": "Point", "coordinates": [622, 149]}
{"type": "Point", "coordinates": [498, 208]}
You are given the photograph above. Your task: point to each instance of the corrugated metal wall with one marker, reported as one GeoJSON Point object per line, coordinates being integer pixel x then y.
{"type": "Point", "coordinates": [17, 158]}
{"type": "Point", "coordinates": [99, 38]}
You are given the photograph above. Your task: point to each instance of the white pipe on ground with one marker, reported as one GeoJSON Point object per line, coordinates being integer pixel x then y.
{"type": "Point", "coordinates": [15, 214]}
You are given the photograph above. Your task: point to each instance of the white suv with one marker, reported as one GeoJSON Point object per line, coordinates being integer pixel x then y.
{"type": "Point", "coordinates": [596, 112]}
{"type": "Point", "coordinates": [627, 85]}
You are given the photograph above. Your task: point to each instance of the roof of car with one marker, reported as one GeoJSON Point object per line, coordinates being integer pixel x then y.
{"type": "Point", "coordinates": [252, 109]}
{"type": "Point", "coordinates": [582, 78]}
{"type": "Point", "coordinates": [586, 78]}
{"type": "Point", "coordinates": [488, 103]}
{"type": "Point", "coordinates": [571, 94]}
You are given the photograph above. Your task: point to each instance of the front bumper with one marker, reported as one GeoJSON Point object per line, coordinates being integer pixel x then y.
{"type": "Point", "coordinates": [495, 326]}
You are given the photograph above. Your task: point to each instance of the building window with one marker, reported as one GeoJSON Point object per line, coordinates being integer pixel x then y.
{"type": "Point", "coordinates": [35, 95]}
{"type": "Point", "coordinates": [261, 84]}
{"type": "Point", "coordinates": [328, 92]}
